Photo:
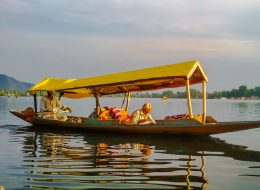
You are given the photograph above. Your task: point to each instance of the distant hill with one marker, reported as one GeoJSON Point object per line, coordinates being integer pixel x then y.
{"type": "Point", "coordinates": [9, 83]}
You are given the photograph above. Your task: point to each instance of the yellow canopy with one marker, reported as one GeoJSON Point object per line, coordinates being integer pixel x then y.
{"type": "Point", "coordinates": [49, 84]}
{"type": "Point", "coordinates": [167, 76]}
{"type": "Point", "coordinates": [54, 84]}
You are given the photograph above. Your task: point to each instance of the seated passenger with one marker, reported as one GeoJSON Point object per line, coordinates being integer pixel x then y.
{"type": "Point", "coordinates": [50, 102]}
{"type": "Point", "coordinates": [142, 116]}
{"type": "Point", "coordinates": [52, 107]}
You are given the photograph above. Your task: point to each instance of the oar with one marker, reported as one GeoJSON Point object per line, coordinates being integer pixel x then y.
{"type": "Point", "coordinates": [50, 112]}
{"type": "Point", "coordinates": [43, 113]}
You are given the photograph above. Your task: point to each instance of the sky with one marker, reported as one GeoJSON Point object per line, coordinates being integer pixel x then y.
{"type": "Point", "coordinates": [84, 38]}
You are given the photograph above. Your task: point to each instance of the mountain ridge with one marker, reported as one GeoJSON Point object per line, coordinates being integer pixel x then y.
{"type": "Point", "coordinates": [10, 83]}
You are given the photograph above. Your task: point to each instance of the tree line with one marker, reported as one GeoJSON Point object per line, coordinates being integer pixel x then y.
{"type": "Point", "coordinates": [242, 91]}
{"type": "Point", "coordinates": [4, 92]}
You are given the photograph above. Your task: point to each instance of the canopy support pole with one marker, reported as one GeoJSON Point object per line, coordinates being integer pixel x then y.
{"type": "Point", "coordinates": [128, 101]}
{"type": "Point", "coordinates": [60, 95]}
{"type": "Point", "coordinates": [97, 106]}
{"type": "Point", "coordinates": [204, 98]}
{"type": "Point", "coordinates": [35, 102]}
{"type": "Point", "coordinates": [188, 97]}
{"type": "Point", "coordinates": [123, 102]}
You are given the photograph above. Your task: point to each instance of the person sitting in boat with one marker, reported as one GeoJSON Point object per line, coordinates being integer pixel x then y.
{"type": "Point", "coordinates": [50, 103]}
{"type": "Point", "coordinates": [142, 116]}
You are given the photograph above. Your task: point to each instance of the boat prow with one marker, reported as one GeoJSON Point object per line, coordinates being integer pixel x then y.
{"type": "Point", "coordinates": [24, 115]}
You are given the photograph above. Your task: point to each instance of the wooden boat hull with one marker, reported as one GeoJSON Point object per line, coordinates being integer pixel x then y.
{"type": "Point", "coordinates": [172, 127]}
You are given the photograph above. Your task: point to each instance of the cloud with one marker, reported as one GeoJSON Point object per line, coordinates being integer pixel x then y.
{"type": "Point", "coordinates": [83, 38]}
{"type": "Point", "coordinates": [134, 18]}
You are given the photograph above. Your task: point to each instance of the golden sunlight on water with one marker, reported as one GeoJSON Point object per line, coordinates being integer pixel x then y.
{"type": "Point", "coordinates": [60, 161]}
{"type": "Point", "coordinates": [42, 158]}
{"type": "Point", "coordinates": [55, 160]}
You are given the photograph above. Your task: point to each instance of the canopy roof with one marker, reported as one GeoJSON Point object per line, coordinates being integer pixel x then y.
{"type": "Point", "coordinates": [167, 76]}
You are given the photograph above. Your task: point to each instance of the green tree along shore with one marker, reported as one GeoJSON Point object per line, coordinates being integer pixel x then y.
{"type": "Point", "coordinates": [4, 92]}
{"type": "Point", "coordinates": [242, 92]}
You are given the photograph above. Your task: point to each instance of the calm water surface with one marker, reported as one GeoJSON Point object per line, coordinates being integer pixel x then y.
{"type": "Point", "coordinates": [38, 158]}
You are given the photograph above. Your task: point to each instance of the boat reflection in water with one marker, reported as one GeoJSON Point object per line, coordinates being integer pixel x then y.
{"type": "Point", "coordinates": [66, 160]}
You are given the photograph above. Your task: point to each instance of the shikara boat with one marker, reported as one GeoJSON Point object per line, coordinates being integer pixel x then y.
{"type": "Point", "coordinates": [167, 76]}
{"type": "Point", "coordinates": [164, 98]}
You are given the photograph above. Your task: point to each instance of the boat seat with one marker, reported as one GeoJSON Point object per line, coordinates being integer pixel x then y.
{"type": "Point", "coordinates": [210, 119]}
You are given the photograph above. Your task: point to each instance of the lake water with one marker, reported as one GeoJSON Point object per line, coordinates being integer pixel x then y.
{"type": "Point", "coordinates": [34, 158]}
